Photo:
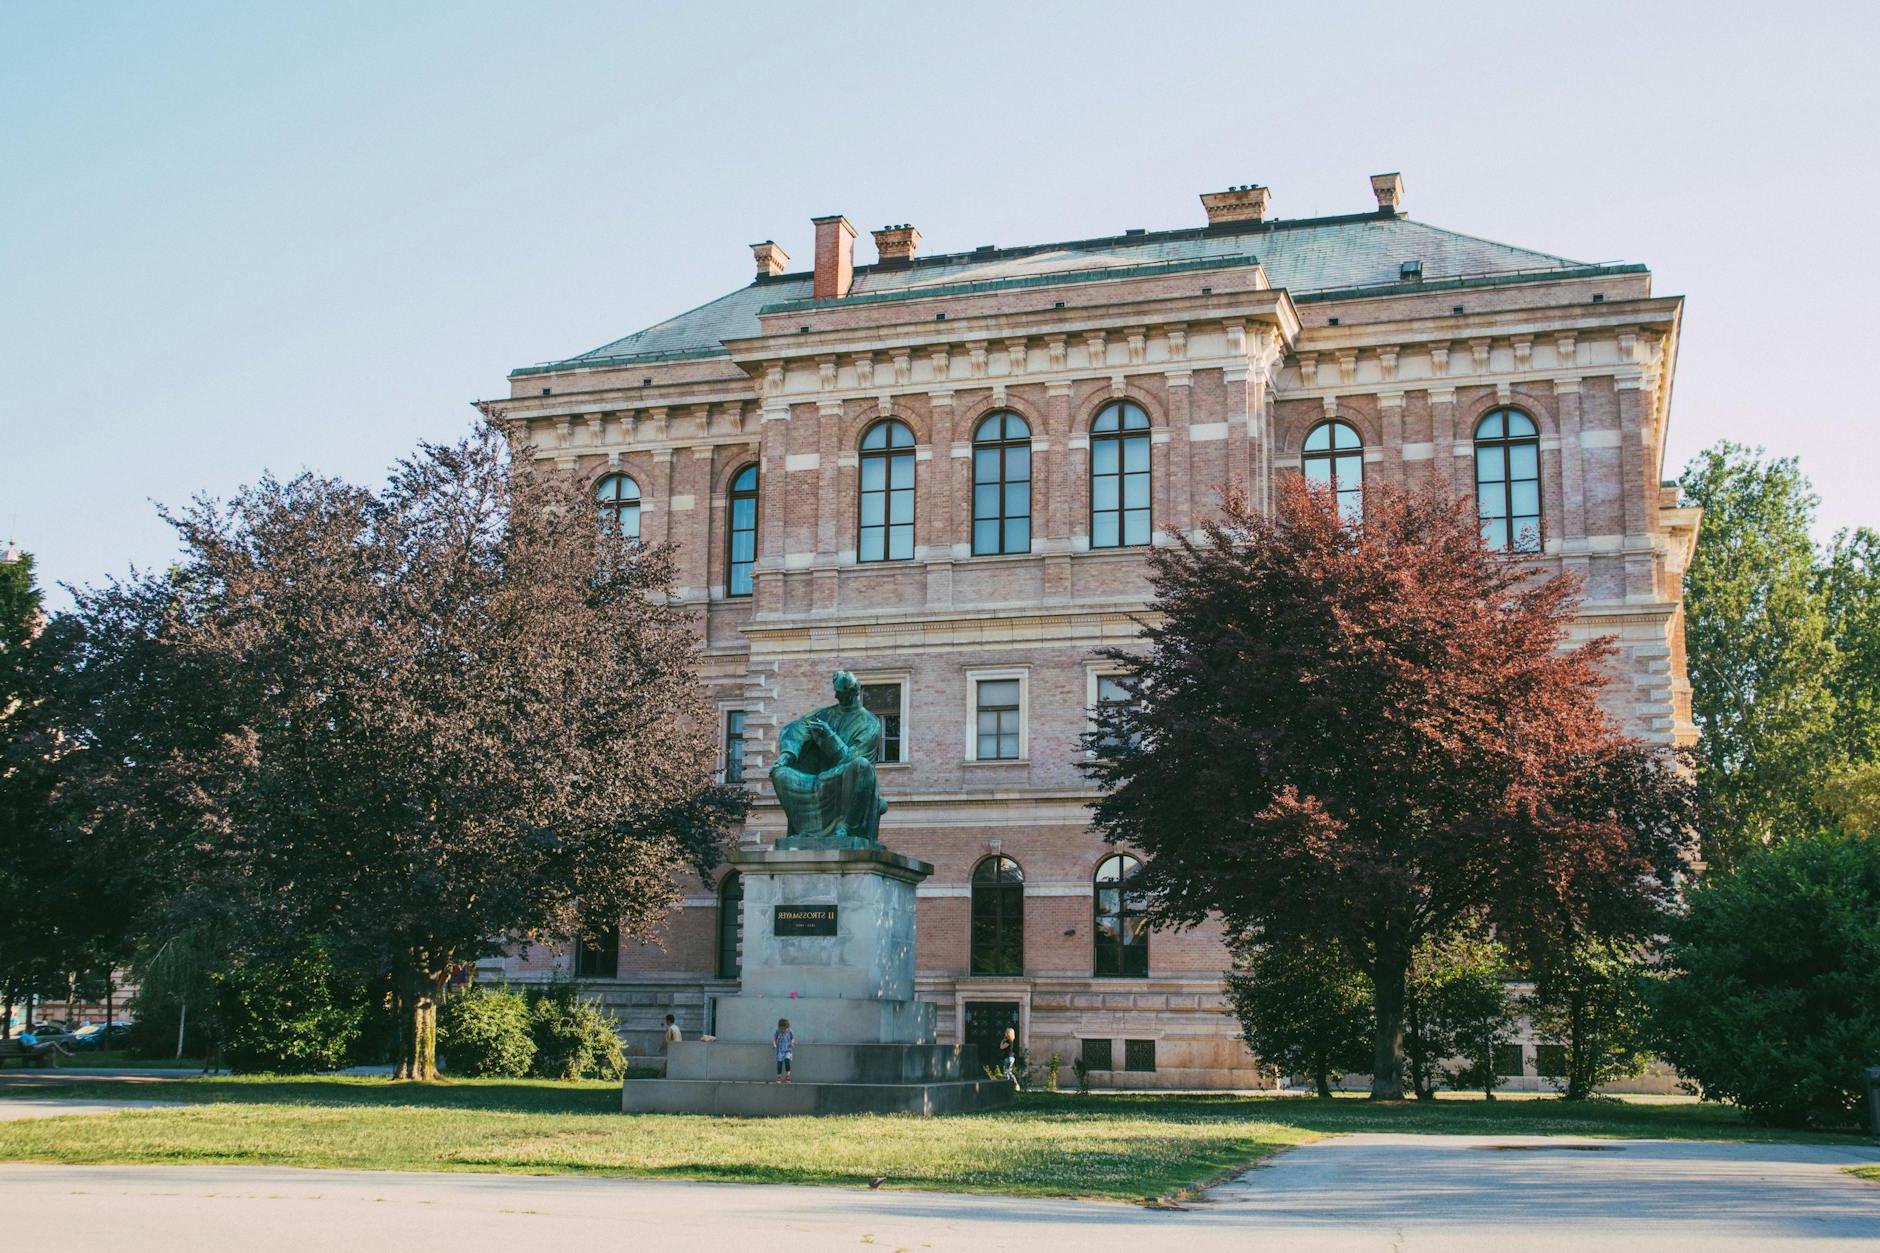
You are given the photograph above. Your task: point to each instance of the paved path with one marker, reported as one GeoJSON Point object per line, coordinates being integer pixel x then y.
{"type": "Point", "coordinates": [1401, 1194]}
{"type": "Point", "coordinates": [55, 1107]}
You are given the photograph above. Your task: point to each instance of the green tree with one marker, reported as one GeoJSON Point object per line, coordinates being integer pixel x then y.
{"type": "Point", "coordinates": [176, 990]}
{"type": "Point", "coordinates": [1762, 658]}
{"type": "Point", "coordinates": [1302, 1008]}
{"type": "Point", "coordinates": [1770, 994]}
{"type": "Point", "coordinates": [1850, 583]}
{"type": "Point", "coordinates": [1852, 795]}
{"type": "Point", "coordinates": [65, 895]}
{"type": "Point", "coordinates": [23, 814]}
{"type": "Point", "coordinates": [21, 614]}
{"type": "Point", "coordinates": [1588, 1000]}
{"type": "Point", "coordinates": [422, 721]}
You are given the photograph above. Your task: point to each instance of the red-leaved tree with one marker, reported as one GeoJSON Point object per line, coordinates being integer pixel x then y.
{"type": "Point", "coordinates": [1367, 735]}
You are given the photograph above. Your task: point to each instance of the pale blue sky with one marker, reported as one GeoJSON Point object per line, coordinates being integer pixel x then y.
{"type": "Point", "coordinates": [237, 237]}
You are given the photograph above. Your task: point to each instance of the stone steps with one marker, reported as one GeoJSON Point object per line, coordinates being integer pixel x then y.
{"type": "Point", "coordinates": [759, 1099]}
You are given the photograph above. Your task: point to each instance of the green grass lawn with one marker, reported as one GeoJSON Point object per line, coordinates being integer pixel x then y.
{"type": "Point", "coordinates": [1116, 1146]}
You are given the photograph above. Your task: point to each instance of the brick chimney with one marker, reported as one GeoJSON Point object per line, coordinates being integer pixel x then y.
{"type": "Point", "coordinates": [771, 260]}
{"type": "Point", "coordinates": [1236, 204]}
{"type": "Point", "coordinates": [896, 245]}
{"type": "Point", "coordinates": [1388, 188]}
{"type": "Point", "coordinates": [835, 257]}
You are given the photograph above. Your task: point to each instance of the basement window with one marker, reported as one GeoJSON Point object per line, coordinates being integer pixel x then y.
{"type": "Point", "coordinates": [1098, 1054]}
{"type": "Point", "coordinates": [1139, 1055]}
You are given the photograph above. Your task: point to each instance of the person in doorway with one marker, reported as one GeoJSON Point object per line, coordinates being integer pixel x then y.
{"type": "Point", "coordinates": [785, 1040]}
{"type": "Point", "coordinates": [672, 1032]}
{"type": "Point", "coordinates": [1008, 1055]}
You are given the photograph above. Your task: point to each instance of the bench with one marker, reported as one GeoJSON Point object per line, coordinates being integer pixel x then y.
{"type": "Point", "coordinates": [46, 1054]}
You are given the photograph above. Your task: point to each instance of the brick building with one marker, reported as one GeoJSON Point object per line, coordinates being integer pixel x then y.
{"type": "Point", "coordinates": [943, 473]}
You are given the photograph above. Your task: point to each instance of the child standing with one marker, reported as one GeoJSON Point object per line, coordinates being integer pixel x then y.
{"type": "Point", "coordinates": [785, 1040]}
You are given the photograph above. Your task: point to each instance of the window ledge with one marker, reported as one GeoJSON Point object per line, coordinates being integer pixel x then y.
{"type": "Point", "coordinates": [997, 761]}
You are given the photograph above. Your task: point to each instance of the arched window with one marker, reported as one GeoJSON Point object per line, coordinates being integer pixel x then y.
{"type": "Point", "coordinates": [885, 529]}
{"type": "Point", "coordinates": [1002, 485]}
{"type": "Point", "coordinates": [741, 537]}
{"type": "Point", "coordinates": [1119, 476]}
{"type": "Point", "coordinates": [998, 917]}
{"type": "Point", "coordinates": [731, 925]}
{"type": "Point", "coordinates": [1334, 460]}
{"type": "Point", "coordinates": [619, 500]}
{"type": "Point", "coordinates": [1122, 923]}
{"type": "Point", "coordinates": [1508, 481]}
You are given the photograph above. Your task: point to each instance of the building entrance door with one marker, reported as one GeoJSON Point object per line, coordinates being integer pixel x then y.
{"type": "Point", "coordinates": [986, 1022]}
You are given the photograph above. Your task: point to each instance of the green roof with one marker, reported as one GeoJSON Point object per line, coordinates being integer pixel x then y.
{"type": "Point", "coordinates": [1314, 257]}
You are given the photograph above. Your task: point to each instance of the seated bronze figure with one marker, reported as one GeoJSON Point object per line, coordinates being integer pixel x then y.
{"type": "Point", "coordinates": [824, 774]}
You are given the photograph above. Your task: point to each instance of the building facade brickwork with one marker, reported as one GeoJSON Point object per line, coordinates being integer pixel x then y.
{"type": "Point", "coordinates": [1235, 341]}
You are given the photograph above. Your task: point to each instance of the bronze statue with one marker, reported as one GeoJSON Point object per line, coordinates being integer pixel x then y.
{"type": "Point", "coordinates": [824, 774]}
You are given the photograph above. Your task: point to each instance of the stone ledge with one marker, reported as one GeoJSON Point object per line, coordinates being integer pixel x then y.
{"type": "Point", "coordinates": [831, 861]}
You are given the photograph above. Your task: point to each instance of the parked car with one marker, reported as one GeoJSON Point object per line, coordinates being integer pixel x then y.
{"type": "Point", "coordinates": [99, 1036]}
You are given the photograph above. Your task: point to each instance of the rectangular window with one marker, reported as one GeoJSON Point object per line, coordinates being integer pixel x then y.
{"type": "Point", "coordinates": [734, 746]}
{"type": "Point", "coordinates": [1139, 1055]}
{"type": "Point", "coordinates": [887, 507]}
{"type": "Point", "coordinates": [1097, 1055]}
{"type": "Point", "coordinates": [883, 699]}
{"type": "Point", "coordinates": [598, 958]}
{"type": "Point", "coordinates": [1108, 694]}
{"type": "Point", "coordinates": [741, 552]}
{"type": "Point", "coordinates": [998, 711]}
{"type": "Point", "coordinates": [1508, 1061]}
{"type": "Point", "coordinates": [1550, 1060]}
{"type": "Point", "coordinates": [1119, 490]}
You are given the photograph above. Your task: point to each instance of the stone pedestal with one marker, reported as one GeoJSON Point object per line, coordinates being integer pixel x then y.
{"type": "Point", "coordinates": [829, 945]}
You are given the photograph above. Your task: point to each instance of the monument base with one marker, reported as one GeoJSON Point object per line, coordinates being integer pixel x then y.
{"type": "Point", "coordinates": [827, 1019]}
{"type": "Point", "coordinates": [829, 945]}
{"type": "Point", "coordinates": [797, 1100]}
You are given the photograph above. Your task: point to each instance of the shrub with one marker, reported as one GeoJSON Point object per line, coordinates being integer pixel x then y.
{"type": "Point", "coordinates": [1589, 1001]}
{"type": "Point", "coordinates": [1470, 1003]}
{"type": "Point", "coordinates": [1302, 1009]}
{"type": "Point", "coordinates": [289, 1015]}
{"type": "Point", "coordinates": [573, 1038]}
{"type": "Point", "coordinates": [1456, 1005]}
{"type": "Point", "coordinates": [1771, 994]}
{"type": "Point", "coordinates": [486, 1033]}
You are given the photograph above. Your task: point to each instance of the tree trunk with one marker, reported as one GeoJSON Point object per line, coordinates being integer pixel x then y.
{"type": "Point", "coordinates": [1577, 1086]}
{"type": "Point", "coordinates": [1388, 984]}
{"type": "Point", "coordinates": [182, 1020]}
{"type": "Point", "coordinates": [417, 1034]}
{"type": "Point", "coordinates": [1322, 1075]}
{"type": "Point", "coordinates": [6, 1019]}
